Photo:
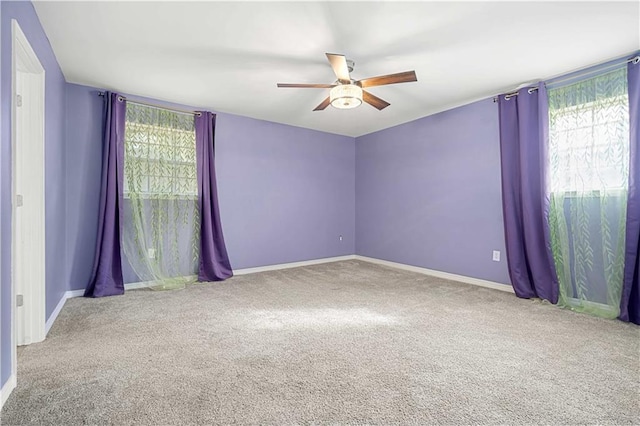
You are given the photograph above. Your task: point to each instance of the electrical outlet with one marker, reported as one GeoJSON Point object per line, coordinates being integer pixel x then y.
{"type": "Point", "coordinates": [151, 253]}
{"type": "Point", "coordinates": [496, 256]}
{"type": "Point", "coordinates": [340, 237]}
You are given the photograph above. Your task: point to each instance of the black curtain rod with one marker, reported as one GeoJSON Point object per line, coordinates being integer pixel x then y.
{"type": "Point", "coordinates": [184, 111]}
{"type": "Point", "coordinates": [635, 60]}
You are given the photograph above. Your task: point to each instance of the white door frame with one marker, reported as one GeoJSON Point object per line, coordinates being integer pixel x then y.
{"type": "Point", "coordinates": [27, 180]}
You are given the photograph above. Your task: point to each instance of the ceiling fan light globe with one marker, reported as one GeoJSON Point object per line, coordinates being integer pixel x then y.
{"type": "Point", "coordinates": [346, 96]}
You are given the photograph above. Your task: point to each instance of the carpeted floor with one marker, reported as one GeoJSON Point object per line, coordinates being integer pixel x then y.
{"type": "Point", "coordinates": [348, 342]}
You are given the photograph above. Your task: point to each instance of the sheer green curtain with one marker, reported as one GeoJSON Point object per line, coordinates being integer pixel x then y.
{"type": "Point", "coordinates": [160, 210]}
{"type": "Point", "coordinates": [589, 153]}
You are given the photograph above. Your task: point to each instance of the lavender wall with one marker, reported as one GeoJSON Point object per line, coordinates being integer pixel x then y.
{"type": "Point", "coordinates": [5, 318]}
{"type": "Point", "coordinates": [56, 283]}
{"type": "Point", "coordinates": [286, 193]}
{"type": "Point", "coordinates": [428, 193]}
{"type": "Point", "coordinates": [83, 152]}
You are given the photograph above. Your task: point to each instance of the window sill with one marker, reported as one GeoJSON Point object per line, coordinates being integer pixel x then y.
{"type": "Point", "coordinates": [590, 193]}
{"type": "Point", "coordinates": [161, 197]}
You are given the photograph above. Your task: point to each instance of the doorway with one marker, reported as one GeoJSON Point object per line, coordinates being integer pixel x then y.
{"type": "Point", "coordinates": [28, 198]}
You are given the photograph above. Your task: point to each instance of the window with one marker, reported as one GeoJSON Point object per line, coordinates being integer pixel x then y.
{"type": "Point", "coordinates": [589, 135]}
{"type": "Point", "coordinates": [589, 169]}
{"type": "Point", "coordinates": [160, 153]}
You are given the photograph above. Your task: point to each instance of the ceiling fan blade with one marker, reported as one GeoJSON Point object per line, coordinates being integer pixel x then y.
{"type": "Point", "coordinates": [323, 105]}
{"type": "Point", "coordinates": [374, 100]}
{"type": "Point", "coordinates": [340, 68]}
{"type": "Point", "coordinates": [312, 86]}
{"type": "Point", "coordinates": [401, 77]}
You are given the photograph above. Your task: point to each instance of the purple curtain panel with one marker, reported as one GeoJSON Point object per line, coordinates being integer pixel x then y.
{"type": "Point", "coordinates": [106, 278]}
{"type": "Point", "coordinates": [214, 261]}
{"type": "Point", "coordinates": [525, 198]}
{"type": "Point", "coordinates": [630, 301]}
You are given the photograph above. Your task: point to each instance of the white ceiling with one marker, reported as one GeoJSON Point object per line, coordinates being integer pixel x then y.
{"type": "Point", "coordinates": [228, 57]}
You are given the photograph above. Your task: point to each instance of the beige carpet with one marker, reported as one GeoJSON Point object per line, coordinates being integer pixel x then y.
{"type": "Point", "coordinates": [346, 343]}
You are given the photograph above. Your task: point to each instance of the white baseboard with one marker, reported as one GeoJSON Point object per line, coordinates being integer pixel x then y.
{"type": "Point", "coordinates": [578, 303]}
{"type": "Point", "coordinates": [292, 265]}
{"type": "Point", "coordinates": [7, 389]}
{"type": "Point", "coordinates": [128, 286]}
{"type": "Point", "coordinates": [446, 275]}
{"type": "Point", "coordinates": [144, 284]}
{"type": "Point", "coordinates": [74, 293]}
{"type": "Point", "coordinates": [55, 313]}
{"type": "Point", "coordinates": [79, 293]}
{"type": "Point", "coordinates": [140, 284]}
{"type": "Point", "coordinates": [439, 274]}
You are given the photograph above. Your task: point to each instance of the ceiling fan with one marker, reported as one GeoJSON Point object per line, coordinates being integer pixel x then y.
{"type": "Point", "coordinates": [347, 93]}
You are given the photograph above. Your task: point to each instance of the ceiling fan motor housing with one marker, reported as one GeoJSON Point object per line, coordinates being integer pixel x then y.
{"type": "Point", "coordinates": [350, 65]}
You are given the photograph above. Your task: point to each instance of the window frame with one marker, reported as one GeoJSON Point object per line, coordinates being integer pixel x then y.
{"type": "Point", "coordinates": [572, 191]}
{"type": "Point", "coordinates": [156, 127]}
